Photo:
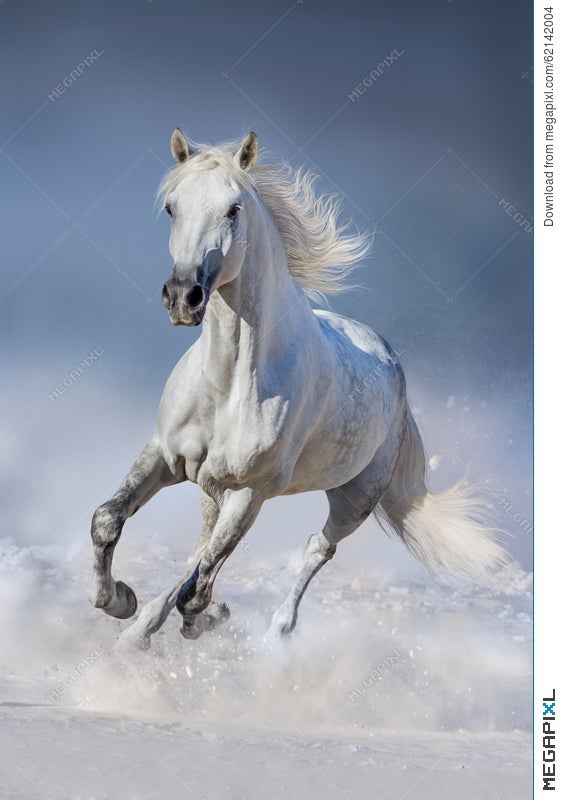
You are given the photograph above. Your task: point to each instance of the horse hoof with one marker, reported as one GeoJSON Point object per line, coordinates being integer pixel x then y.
{"type": "Point", "coordinates": [281, 626]}
{"type": "Point", "coordinates": [219, 612]}
{"type": "Point", "coordinates": [215, 614]}
{"type": "Point", "coordinates": [190, 632]}
{"type": "Point", "coordinates": [125, 604]}
{"type": "Point", "coordinates": [278, 634]}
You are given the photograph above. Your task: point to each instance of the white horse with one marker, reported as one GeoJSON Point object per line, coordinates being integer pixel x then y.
{"type": "Point", "coordinates": [275, 398]}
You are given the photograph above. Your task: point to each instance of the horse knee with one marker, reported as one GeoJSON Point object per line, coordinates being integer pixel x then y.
{"type": "Point", "coordinates": [320, 547]}
{"type": "Point", "coordinates": [107, 523]}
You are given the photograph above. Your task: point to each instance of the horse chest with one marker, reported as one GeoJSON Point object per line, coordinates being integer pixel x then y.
{"type": "Point", "coordinates": [227, 444]}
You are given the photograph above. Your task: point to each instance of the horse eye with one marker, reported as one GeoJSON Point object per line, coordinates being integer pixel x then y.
{"type": "Point", "coordinates": [168, 209]}
{"type": "Point", "coordinates": [233, 211]}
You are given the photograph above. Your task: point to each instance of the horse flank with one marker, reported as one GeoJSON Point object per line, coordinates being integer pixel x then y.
{"type": "Point", "coordinates": [321, 251]}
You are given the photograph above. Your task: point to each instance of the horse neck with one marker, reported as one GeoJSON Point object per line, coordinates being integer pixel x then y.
{"type": "Point", "coordinates": [257, 316]}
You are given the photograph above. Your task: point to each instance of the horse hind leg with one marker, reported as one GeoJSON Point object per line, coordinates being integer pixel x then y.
{"type": "Point", "coordinates": [148, 475]}
{"type": "Point", "coordinates": [349, 506]}
{"type": "Point", "coordinates": [319, 550]}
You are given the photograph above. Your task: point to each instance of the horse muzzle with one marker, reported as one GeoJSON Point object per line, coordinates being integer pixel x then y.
{"type": "Point", "coordinates": [184, 306]}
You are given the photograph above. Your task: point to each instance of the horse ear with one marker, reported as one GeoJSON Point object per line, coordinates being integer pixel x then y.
{"type": "Point", "coordinates": [247, 154]}
{"type": "Point", "coordinates": [179, 147]}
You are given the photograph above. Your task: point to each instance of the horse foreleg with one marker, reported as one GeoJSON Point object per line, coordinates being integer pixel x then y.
{"type": "Point", "coordinates": [239, 509]}
{"type": "Point", "coordinates": [155, 613]}
{"type": "Point", "coordinates": [148, 475]}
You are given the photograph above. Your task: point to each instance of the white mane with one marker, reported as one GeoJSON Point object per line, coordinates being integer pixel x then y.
{"type": "Point", "coordinates": [321, 252]}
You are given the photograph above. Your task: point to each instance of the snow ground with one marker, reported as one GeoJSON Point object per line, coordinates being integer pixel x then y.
{"type": "Point", "coordinates": [413, 690]}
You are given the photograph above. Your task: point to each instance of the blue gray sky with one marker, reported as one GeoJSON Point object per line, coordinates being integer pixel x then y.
{"type": "Point", "coordinates": [433, 152]}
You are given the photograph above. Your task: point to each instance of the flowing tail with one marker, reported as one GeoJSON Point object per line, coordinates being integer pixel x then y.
{"type": "Point", "coordinates": [450, 532]}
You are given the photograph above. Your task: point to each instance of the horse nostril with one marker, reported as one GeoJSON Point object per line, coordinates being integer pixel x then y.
{"type": "Point", "coordinates": [195, 296]}
{"type": "Point", "coordinates": [165, 295]}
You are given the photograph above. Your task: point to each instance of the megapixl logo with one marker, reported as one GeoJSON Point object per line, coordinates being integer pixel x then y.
{"type": "Point", "coordinates": [548, 742]}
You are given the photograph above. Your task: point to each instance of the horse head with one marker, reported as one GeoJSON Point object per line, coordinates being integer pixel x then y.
{"type": "Point", "coordinates": [206, 198]}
